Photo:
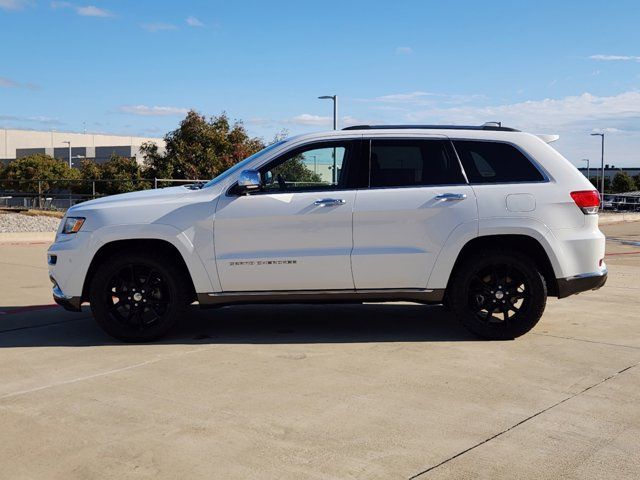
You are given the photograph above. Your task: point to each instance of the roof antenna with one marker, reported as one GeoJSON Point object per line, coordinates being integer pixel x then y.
{"type": "Point", "coordinates": [492, 124]}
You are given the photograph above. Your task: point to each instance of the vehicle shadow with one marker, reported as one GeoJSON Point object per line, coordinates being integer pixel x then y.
{"type": "Point", "coordinates": [261, 324]}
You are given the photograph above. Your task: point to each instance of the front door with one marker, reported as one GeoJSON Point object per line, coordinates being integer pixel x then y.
{"type": "Point", "coordinates": [418, 196]}
{"type": "Point", "coordinates": [295, 233]}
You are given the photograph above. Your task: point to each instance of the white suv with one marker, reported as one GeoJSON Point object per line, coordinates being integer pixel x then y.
{"type": "Point", "coordinates": [485, 220]}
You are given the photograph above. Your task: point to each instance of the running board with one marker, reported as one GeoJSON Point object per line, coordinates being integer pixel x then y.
{"type": "Point", "coordinates": [216, 299]}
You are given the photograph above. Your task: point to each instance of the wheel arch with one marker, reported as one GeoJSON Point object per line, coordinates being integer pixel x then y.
{"type": "Point", "coordinates": [136, 244]}
{"type": "Point", "coordinates": [525, 244]}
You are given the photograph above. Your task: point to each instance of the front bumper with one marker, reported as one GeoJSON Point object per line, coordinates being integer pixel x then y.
{"type": "Point", "coordinates": [581, 283]}
{"type": "Point", "coordinates": [71, 304]}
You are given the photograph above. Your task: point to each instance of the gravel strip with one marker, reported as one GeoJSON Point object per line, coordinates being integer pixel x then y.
{"type": "Point", "coordinates": [14, 222]}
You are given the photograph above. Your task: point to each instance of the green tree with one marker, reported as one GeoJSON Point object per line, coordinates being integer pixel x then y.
{"type": "Point", "coordinates": [622, 183]}
{"type": "Point", "coordinates": [294, 170]}
{"type": "Point", "coordinates": [24, 171]}
{"type": "Point", "coordinates": [637, 181]}
{"type": "Point", "coordinates": [89, 170]}
{"type": "Point", "coordinates": [595, 181]}
{"type": "Point", "coordinates": [121, 175]}
{"type": "Point", "coordinates": [200, 148]}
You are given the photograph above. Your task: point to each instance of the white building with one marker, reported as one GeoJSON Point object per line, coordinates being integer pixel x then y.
{"type": "Point", "coordinates": [21, 143]}
{"type": "Point", "coordinates": [609, 171]}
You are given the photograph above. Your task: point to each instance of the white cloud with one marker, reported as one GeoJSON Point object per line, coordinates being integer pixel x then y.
{"type": "Point", "coordinates": [404, 50]}
{"type": "Point", "coordinates": [194, 22]}
{"type": "Point", "coordinates": [9, 83]}
{"type": "Point", "coordinates": [616, 58]}
{"type": "Point", "coordinates": [158, 26]}
{"type": "Point", "coordinates": [403, 97]}
{"type": "Point", "coordinates": [260, 121]}
{"type": "Point", "coordinates": [348, 121]}
{"type": "Point", "coordinates": [93, 11]}
{"type": "Point", "coordinates": [31, 119]}
{"type": "Point", "coordinates": [544, 114]}
{"type": "Point", "coordinates": [58, 5]}
{"type": "Point", "coordinates": [155, 111]}
{"type": "Point", "coordinates": [309, 119]}
{"type": "Point", "coordinates": [14, 4]}
{"type": "Point", "coordinates": [425, 98]}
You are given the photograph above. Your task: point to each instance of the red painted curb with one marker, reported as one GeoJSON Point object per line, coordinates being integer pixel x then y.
{"type": "Point", "coordinates": [25, 243]}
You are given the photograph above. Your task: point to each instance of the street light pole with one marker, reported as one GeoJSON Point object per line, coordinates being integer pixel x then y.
{"type": "Point", "coordinates": [69, 143]}
{"type": "Point", "coordinates": [335, 108]}
{"type": "Point", "coordinates": [588, 174]}
{"type": "Point", "coordinates": [601, 135]}
{"type": "Point", "coordinates": [335, 127]}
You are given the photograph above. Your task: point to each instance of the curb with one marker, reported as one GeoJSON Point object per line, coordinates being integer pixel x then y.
{"type": "Point", "coordinates": [27, 237]}
{"type": "Point", "coordinates": [609, 218]}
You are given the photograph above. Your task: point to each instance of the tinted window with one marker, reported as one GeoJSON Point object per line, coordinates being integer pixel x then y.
{"type": "Point", "coordinates": [495, 162]}
{"type": "Point", "coordinates": [315, 167]}
{"type": "Point", "coordinates": [402, 163]}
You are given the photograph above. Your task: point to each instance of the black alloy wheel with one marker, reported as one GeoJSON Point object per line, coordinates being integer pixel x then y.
{"type": "Point", "coordinates": [497, 295]}
{"type": "Point", "coordinates": [138, 296]}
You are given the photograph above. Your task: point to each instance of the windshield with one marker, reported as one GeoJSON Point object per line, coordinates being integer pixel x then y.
{"type": "Point", "coordinates": [239, 166]}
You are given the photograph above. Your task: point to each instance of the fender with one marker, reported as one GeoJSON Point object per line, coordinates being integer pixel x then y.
{"type": "Point", "coordinates": [525, 226]}
{"type": "Point", "coordinates": [443, 265]}
{"type": "Point", "coordinates": [530, 227]}
{"type": "Point", "coordinates": [199, 273]}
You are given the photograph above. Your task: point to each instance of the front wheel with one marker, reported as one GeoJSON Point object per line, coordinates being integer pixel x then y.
{"type": "Point", "coordinates": [497, 295]}
{"type": "Point", "coordinates": [138, 296]}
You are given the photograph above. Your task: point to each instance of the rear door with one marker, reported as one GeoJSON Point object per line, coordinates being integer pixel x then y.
{"type": "Point", "coordinates": [417, 196]}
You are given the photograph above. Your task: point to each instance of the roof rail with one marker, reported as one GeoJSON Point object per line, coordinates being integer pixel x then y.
{"type": "Point", "coordinates": [493, 126]}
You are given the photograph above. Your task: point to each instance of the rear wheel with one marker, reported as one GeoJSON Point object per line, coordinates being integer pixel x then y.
{"type": "Point", "coordinates": [498, 295]}
{"type": "Point", "coordinates": [138, 296]}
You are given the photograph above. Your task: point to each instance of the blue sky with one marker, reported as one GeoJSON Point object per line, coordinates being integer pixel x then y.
{"type": "Point", "coordinates": [135, 67]}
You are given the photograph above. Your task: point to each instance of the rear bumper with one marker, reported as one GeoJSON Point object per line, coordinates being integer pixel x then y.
{"type": "Point", "coordinates": [581, 283]}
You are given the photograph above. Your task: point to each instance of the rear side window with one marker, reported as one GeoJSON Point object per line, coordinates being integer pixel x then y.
{"type": "Point", "coordinates": [495, 162]}
{"type": "Point", "coordinates": [405, 163]}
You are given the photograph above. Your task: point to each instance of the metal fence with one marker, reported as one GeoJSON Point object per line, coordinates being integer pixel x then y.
{"type": "Point", "coordinates": [60, 194]}
{"type": "Point", "coordinates": [622, 202]}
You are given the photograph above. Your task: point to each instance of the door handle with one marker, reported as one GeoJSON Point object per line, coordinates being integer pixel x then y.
{"type": "Point", "coordinates": [448, 197]}
{"type": "Point", "coordinates": [329, 202]}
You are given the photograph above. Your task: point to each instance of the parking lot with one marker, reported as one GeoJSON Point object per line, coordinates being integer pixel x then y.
{"type": "Point", "coordinates": [330, 391]}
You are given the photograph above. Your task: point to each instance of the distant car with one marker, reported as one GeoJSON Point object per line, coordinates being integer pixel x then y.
{"type": "Point", "coordinates": [486, 220]}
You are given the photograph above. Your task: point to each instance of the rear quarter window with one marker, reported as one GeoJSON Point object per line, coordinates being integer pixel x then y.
{"type": "Point", "coordinates": [495, 162]}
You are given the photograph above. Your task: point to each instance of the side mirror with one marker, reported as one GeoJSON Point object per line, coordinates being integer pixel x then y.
{"type": "Point", "coordinates": [248, 181]}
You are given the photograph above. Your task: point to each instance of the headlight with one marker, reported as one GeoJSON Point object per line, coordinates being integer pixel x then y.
{"type": "Point", "coordinates": [72, 225]}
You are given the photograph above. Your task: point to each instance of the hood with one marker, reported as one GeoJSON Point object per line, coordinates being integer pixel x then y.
{"type": "Point", "coordinates": [163, 205]}
{"type": "Point", "coordinates": [144, 196]}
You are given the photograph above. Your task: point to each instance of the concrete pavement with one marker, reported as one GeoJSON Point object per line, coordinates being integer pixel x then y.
{"type": "Point", "coordinates": [322, 392]}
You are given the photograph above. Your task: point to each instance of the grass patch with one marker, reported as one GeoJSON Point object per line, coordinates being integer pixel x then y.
{"type": "Point", "coordinates": [43, 213]}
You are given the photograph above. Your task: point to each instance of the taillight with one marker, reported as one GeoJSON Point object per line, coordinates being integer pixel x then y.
{"type": "Point", "coordinates": [587, 200]}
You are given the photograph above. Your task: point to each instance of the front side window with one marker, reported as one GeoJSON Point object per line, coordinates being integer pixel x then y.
{"type": "Point", "coordinates": [495, 162]}
{"type": "Point", "coordinates": [319, 167]}
{"type": "Point", "coordinates": [241, 165]}
{"type": "Point", "coordinates": [406, 163]}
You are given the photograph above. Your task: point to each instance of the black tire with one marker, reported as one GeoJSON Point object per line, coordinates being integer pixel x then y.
{"type": "Point", "coordinates": [497, 295]}
{"type": "Point", "coordinates": [138, 296]}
